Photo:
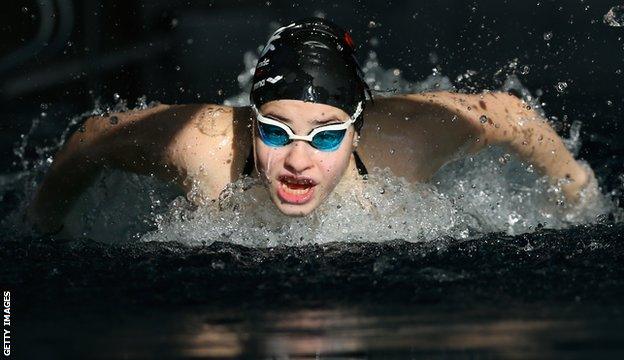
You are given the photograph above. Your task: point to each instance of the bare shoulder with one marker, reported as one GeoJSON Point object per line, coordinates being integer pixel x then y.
{"type": "Point", "coordinates": [485, 114]}
{"type": "Point", "coordinates": [191, 143]}
{"type": "Point", "coordinates": [432, 129]}
{"type": "Point", "coordinates": [211, 150]}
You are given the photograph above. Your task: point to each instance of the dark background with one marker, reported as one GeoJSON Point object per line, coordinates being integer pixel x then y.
{"type": "Point", "coordinates": [61, 56]}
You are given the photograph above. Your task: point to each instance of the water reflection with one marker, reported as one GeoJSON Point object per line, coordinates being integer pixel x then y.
{"type": "Point", "coordinates": [389, 331]}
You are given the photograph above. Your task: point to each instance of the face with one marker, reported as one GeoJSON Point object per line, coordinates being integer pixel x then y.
{"type": "Point", "coordinates": [298, 176]}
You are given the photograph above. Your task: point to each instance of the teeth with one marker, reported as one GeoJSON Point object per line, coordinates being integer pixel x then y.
{"type": "Point", "coordinates": [298, 182]}
{"type": "Point", "coordinates": [294, 191]}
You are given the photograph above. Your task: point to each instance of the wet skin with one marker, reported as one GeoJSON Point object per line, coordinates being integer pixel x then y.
{"type": "Point", "coordinates": [298, 176]}
{"type": "Point", "coordinates": [203, 147]}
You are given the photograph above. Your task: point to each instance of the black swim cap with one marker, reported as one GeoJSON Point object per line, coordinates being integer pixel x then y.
{"type": "Point", "coordinates": [311, 60]}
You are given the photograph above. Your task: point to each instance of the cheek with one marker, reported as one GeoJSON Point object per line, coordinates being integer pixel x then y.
{"type": "Point", "coordinates": [333, 167]}
{"type": "Point", "coordinates": [328, 166]}
{"type": "Point", "coordinates": [266, 158]}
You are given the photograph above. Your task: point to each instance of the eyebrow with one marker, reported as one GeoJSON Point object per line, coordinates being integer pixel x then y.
{"type": "Point", "coordinates": [315, 122]}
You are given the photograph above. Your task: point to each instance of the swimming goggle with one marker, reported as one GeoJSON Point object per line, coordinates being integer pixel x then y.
{"type": "Point", "coordinates": [325, 138]}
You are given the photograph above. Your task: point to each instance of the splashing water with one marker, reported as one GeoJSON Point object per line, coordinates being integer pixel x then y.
{"type": "Point", "coordinates": [462, 201]}
{"type": "Point", "coordinates": [615, 16]}
{"type": "Point", "coordinates": [490, 192]}
{"type": "Point", "coordinates": [472, 196]}
{"type": "Point", "coordinates": [383, 207]}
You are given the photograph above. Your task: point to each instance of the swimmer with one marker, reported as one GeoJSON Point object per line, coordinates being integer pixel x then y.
{"type": "Point", "coordinates": [302, 134]}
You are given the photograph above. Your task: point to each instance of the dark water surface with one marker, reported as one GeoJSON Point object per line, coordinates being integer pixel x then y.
{"type": "Point", "coordinates": [553, 293]}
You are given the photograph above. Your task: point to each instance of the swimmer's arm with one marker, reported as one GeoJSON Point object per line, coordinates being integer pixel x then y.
{"type": "Point", "coordinates": [135, 141]}
{"type": "Point", "coordinates": [528, 135]}
{"type": "Point", "coordinates": [74, 168]}
{"type": "Point", "coordinates": [510, 123]}
{"type": "Point", "coordinates": [438, 127]}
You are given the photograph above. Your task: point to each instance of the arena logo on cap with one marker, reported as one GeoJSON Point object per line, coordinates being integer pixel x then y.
{"type": "Point", "coordinates": [272, 80]}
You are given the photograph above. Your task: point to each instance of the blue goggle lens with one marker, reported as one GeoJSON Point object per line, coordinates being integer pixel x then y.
{"type": "Point", "coordinates": [275, 136]}
{"type": "Point", "coordinates": [328, 140]}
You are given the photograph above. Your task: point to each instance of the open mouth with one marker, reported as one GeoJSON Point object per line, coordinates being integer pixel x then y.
{"type": "Point", "coordinates": [295, 190]}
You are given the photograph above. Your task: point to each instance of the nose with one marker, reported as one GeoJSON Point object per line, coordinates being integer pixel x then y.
{"type": "Point", "coordinates": [298, 158]}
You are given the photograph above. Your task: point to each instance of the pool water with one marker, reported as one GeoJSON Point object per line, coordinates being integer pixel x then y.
{"type": "Point", "coordinates": [481, 262]}
{"type": "Point", "coordinates": [552, 293]}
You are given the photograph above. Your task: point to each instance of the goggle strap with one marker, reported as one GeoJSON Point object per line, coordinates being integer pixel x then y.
{"type": "Point", "coordinates": [352, 119]}
{"type": "Point", "coordinates": [309, 137]}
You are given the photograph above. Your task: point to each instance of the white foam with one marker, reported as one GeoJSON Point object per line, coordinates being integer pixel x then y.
{"type": "Point", "coordinates": [467, 198]}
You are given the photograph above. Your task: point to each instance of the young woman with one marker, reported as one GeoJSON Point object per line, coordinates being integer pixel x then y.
{"type": "Point", "coordinates": [302, 134]}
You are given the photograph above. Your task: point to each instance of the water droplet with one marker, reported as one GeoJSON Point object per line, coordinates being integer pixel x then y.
{"type": "Point", "coordinates": [43, 106]}
{"type": "Point", "coordinates": [378, 128]}
{"type": "Point", "coordinates": [561, 86]}
{"type": "Point", "coordinates": [396, 72]}
{"type": "Point", "coordinates": [483, 119]}
{"type": "Point", "coordinates": [116, 97]}
{"type": "Point", "coordinates": [372, 24]}
{"type": "Point", "coordinates": [609, 102]}
{"type": "Point", "coordinates": [548, 36]}
{"type": "Point", "coordinates": [113, 120]}
{"type": "Point", "coordinates": [177, 68]}
{"type": "Point", "coordinates": [392, 151]}
{"type": "Point", "coordinates": [25, 9]}
{"type": "Point", "coordinates": [525, 70]}
{"type": "Point", "coordinates": [218, 265]}
{"type": "Point", "coordinates": [615, 16]}
{"type": "Point", "coordinates": [618, 71]}
{"type": "Point", "coordinates": [43, 114]}
{"type": "Point", "coordinates": [174, 22]}
{"type": "Point", "coordinates": [82, 128]}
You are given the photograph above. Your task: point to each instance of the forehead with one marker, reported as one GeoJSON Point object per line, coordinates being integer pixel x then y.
{"type": "Point", "coordinates": [297, 110]}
